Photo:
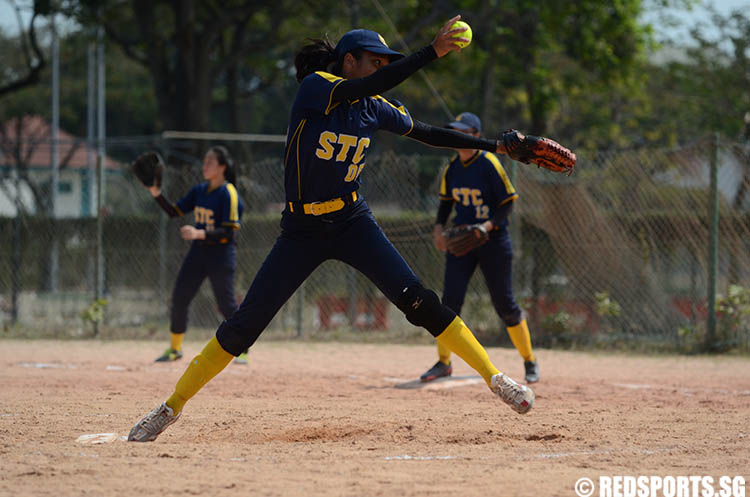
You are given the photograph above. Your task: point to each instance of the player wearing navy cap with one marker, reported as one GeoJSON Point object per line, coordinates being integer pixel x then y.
{"type": "Point", "coordinates": [334, 116]}
{"type": "Point", "coordinates": [217, 209]}
{"type": "Point", "coordinates": [477, 185]}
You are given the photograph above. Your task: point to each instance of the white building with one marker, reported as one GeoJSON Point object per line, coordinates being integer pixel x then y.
{"type": "Point", "coordinates": [27, 149]}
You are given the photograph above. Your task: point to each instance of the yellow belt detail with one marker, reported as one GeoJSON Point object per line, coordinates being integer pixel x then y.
{"type": "Point", "coordinates": [320, 208]}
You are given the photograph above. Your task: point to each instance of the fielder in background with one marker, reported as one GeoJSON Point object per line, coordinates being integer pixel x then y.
{"type": "Point", "coordinates": [477, 185]}
{"type": "Point", "coordinates": [217, 209]}
{"type": "Point", "coordinates": [336, 112]}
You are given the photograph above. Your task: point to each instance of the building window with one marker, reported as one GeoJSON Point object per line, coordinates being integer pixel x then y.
{"type": "Point", "coordinates": [65, 187]}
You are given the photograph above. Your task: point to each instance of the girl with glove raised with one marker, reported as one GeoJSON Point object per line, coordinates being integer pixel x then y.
{"type": "Point", "coordinates": [217, 209]}
{"type": "Point", "coordinates": [337, 110]}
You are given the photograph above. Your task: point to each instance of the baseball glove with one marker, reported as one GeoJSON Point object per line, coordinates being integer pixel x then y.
{"type": "Point", "coordinates": [543, 152]}
{"type": "Point", "coordinates": [462, 239]}
{"type": "Point", "coordinates": [149, 168]}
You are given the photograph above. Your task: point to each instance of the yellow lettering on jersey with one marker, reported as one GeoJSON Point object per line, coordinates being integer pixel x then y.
{"type": "Point", "coordinates": [462, 195]}
{"type": "Point", "coordinates": [483, 211]}
{"type": "Point", "coordinates": [471, 196]}
{"type": "Point", "coordinates": [325, 140]}
{"type": "Point", "coordinates": [353, 172]}
{"type": "Point", "coordinates": [204, 216]}
{"type": "Point", "coordinates": [476, 196]}
{"type": "Point", "coordinates": [360, 153]}
{"type": "Point", "coordinates": [346, 141]}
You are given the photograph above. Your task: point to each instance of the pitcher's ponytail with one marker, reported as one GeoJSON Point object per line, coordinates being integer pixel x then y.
{"type": "Point", "coordinates": [319, 55]}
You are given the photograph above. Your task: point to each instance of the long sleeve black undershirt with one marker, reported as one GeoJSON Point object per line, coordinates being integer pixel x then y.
{"type": "Point", "coordinates": [502, 213]}
{"type": "Point", "coordinates": [444, 211]}
{"type": "Point", "coordinates": [392, 75]}
{"type": "Point", "coordinates": [449, 138]}
{"type": "Point", "coordinates": [167, 206]}
{"type": "Point", "coordinates": [385, 78]}
{"type": "Point", "coordinates": [446, 206]}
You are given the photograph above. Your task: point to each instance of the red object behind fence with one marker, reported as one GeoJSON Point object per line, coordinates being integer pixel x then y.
{"type": "Point", "coordinates": [371, 314]}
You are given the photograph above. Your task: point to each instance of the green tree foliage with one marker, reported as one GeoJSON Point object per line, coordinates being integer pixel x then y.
{"type": "Point", "coordinates": [706, 87]}
{"type": "Point", "coordinates": [526, 58]}
{"type": "Point", "coordinates": [534, 65]}
{"type": "Point", "coordinates": [576, 71]}
{"type": "Point", "coordinates": [130, 100]}
{"type": "Point", "coordinates": [130, 106]}
{"type": "Point", "coordinates": [22, 59]}
{"type": "Point", "coordinates": [195, 50]}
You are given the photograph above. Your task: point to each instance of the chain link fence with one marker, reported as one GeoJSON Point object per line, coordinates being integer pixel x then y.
{"type": "Point", "coordinates": [616, 255]}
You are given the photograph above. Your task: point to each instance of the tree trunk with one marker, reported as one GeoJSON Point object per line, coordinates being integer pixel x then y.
{"type": "Point", "coordinates": [489, 113]}
{"type": "Point", "coordinates": [537, 105]}
{"type": "Point", "coordinates": [183, 79]}
{"type": "Point", "coordinates": [527, 30]}
{"type": "Point", "coordinates": [233, 117]}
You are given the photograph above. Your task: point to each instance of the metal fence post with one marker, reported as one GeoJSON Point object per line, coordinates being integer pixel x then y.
{"type": "Point", "coordinates": [100, 169]}
{"type": "Point", "coordinates": [16, 260]}
{"type": "Point", "coordinates": [163, 307]}
{"type": "Point", "coordinates": [99, 281]}
{"type": "Point", "coordinates": [713, 243]}
{"type": "Point", "coordinates": [515, 227]}
{"type": "Point", "coordinates": [300, 305]}
{"type": "Point", "coordinates": [54, 253]}
{"type": "Point", "coordinates": [351, 279]}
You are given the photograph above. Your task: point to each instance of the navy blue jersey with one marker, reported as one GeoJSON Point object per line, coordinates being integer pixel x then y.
{"type": "Point", "coordinates": [477, 187]}
{"type": "Point", "coordinates": [213, 208]}
{"type": "Point", "coordinates": [327, 142]}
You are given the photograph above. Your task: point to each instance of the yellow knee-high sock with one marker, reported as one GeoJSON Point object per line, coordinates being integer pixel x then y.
{"type": "Point", "coordinates": [519, 335]}
{"type": "Point", "coordinates": [458, 338]}
{"type": "Point", "coordinates": [444, 353]}
{"type": "Point", "coordinates": [212, 359]}
{"type": "Point", "coordinates": [175, 340]}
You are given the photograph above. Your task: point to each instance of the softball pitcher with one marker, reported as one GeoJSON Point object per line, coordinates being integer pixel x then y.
{"type": "Point", "coordinates": [477, 185]}
{"type": "Point", "coordinates": [217, 209]}
{"type": "Point", "coordinates": [337, 110]}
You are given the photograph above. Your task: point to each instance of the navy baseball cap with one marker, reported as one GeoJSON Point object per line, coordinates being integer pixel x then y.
{"type": "Point", "coordinates": [366, 40]}
{"type": "Point", "coordinates": [466, 121]}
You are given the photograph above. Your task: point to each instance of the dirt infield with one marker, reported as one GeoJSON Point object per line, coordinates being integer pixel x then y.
{"type": "Point", "coordinates": [313, 419]}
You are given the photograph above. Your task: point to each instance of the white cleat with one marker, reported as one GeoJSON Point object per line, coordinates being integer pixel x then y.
{"type": "Point", "coordinates": [155, 422]}
{"type": "Point", "coordinates": [520, 398]}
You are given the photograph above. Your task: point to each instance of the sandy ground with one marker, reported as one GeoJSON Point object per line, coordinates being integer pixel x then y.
{"type": "Point", "coordinates": [314, 419]}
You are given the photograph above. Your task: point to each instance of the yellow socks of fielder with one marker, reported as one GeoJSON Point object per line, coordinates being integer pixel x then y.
{"type": "Point", "coordinates": [459, 338]}
{"type": "Point", "coordinates": [201, 369]}
{"type": "Point", "coordinates": [519, 335]}
{"type": "Point", "coordinates": [175, 341]}
{"type": "Point", "coordinates": [444, 353]}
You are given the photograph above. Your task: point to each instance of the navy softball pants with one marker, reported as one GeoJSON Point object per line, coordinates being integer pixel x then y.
{"type": "Point", "coordinates": [358, 242]}
{"type": "Point", "coordinates": [218, 263]}
{"type": "Point", "coordinates": [495, 259]}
